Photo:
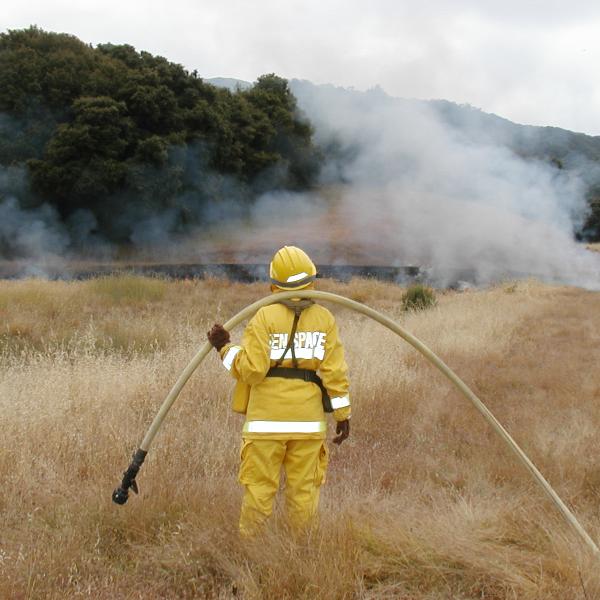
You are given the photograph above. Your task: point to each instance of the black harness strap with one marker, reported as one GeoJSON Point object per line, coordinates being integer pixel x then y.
{"type": "Point", "coordinates": [290, 344]}
{"type": "Point", "coordinates": [305, 375]}
{"type": "Point", "coordinates": [295, 373]}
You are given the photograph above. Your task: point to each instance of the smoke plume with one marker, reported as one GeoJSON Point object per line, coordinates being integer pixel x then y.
{"type": "Point", "coordinates": [418, 191]}
{"type": "Point", "coordinates": [400, 186]}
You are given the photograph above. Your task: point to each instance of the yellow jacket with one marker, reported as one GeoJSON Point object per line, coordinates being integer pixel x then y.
{"type": "Point", "coordinates": [289, 408]}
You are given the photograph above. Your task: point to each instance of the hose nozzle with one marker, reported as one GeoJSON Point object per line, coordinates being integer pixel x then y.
{"type": "Point", "coordinates": [121, 494]}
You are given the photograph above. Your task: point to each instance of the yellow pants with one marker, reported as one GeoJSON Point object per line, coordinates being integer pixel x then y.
{"type": "Point", "coordinates": [304, 462]}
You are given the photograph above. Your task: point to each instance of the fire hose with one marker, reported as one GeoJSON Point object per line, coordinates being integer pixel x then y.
{"type": "Point", "coordinates": [121, 494]}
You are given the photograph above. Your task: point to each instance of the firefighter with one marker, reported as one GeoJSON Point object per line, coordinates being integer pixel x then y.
{"type": "Point", "coordinates": [276, 364]}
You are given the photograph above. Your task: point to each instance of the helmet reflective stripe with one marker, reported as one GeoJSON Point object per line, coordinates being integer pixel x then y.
{"type": "Point", "coordinates": [297, 277]}
{"type": "Point", "coordinates": [284, 426]}
{"type": "Point", "coordinates": [340, 402]}
{"type": "Point", "coordinates": [294, 284]}
{"type": "Point", "coordinates": [229, 356]}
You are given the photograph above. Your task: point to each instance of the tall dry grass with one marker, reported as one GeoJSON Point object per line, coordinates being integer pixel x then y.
{"type": "Point", "coordinates": [422, 502]}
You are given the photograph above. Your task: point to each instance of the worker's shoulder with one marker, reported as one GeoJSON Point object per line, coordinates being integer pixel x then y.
{"type": "Point", "coordinates": [268, 314]}
{"type": "Point", "coordinates": [321, 311]}
{"type": "Point", "coordinates": [271, 310]}
{"type": "Point", "coordinates": [318, 317]}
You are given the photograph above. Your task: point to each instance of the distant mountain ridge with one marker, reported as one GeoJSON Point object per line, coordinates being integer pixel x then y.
{"type": "Point", "coordinates": [472, 120]}
{"type": "Point", "coordinates": [229, 83]}
{"type": "Point", "coordinates": [552, 142]}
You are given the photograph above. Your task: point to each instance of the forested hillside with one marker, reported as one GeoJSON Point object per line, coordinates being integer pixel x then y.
{"type": "Point", "coordinates": [108, 135]}
{"type": "Point", "coordinates": [110, 144]}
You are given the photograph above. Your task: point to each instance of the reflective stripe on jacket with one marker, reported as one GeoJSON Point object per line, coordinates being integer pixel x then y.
{"type": "Point", "coordinates": [289, 408]}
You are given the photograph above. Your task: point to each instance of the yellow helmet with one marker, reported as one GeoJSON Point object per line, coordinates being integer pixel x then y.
{"type": "Point", "coordinates": [292, 269]}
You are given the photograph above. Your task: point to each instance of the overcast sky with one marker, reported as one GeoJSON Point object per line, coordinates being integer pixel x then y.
{"type": "Point", "coordinates": [532, 62]}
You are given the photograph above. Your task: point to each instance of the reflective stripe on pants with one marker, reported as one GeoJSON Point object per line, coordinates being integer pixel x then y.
{"type": "Point", "coordinates": [285, 426]}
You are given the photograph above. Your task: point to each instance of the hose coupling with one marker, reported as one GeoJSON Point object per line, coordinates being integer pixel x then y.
{"type": "Point", "coordinates": [121, 494]}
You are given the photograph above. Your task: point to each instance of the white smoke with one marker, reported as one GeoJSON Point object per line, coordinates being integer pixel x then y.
{"type": "Point", "coordinates": [419, 192]}
{"type": "Point", "coordinates": [34, 233]}
{"type": "Point", "coordinates": [416, 192]}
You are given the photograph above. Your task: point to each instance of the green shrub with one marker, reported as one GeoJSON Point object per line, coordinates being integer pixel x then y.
{"type": "Point", "coordinates": [418, 297]}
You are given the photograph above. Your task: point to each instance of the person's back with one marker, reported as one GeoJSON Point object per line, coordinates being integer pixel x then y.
{"type": "Point", "coordinates": [282, 401]}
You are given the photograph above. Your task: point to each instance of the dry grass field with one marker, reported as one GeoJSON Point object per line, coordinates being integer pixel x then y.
{"type": "Point", "coordinates": [422, 502]}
